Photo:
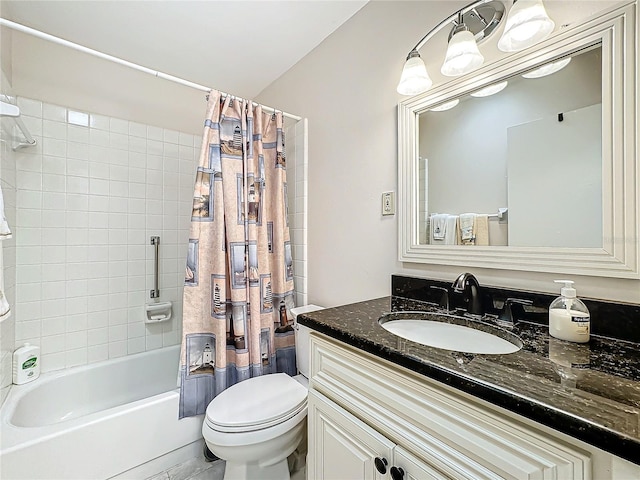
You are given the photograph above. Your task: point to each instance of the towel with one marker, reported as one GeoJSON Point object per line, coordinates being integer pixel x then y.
{"type": "Point", "coordinates": [451, 237]}
{"type": "Point", "coordinates": [467, 221]}
{"type": "Point", "coordinates": [481, 230]}
{"type": "Point", "coordinates": [5, 310]}
{"type": "Point", "coordinates": [438, 226]}
{"type": "Point", "coordinates": [5, 231]}
{"type": "Point", "coordinates": [443, 229]}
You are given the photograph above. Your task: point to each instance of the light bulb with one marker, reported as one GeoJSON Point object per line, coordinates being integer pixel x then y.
{"type": "Point", "coordinates": [527, 24]}
{"type": "Point", "coordinates": [414, 78]}
{"type": "Point", "coordinates": [462, 55]}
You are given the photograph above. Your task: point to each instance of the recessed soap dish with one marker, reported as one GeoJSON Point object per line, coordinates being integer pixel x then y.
{"type": "Point", "coordinates": [158, 312]}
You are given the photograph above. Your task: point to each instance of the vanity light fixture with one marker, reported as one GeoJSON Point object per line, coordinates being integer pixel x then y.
{"type": "Point", "coordinates": [445, 106]}
{"type": "Point", "coordinates": [490, 90]}
{"type": "Point", "coordinates": [527, 24]}
{"type": "Point", "coordinates": [473, 24]}
{"type": "Point", "coordinates": [463, 55]}
{"type": "Point", "coordinates": [548, 68]}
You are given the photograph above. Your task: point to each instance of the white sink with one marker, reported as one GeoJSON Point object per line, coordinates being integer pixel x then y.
{"type": "Point", "coordinates": [461, 335]}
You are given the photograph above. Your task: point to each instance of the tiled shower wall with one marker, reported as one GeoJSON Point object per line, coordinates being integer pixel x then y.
{"type": "Point", "coordinates": [89, 197]}
{"type": "Point", "coordinates": [297, 171]}
{"type": "Point", "coordinates": [8, 262]}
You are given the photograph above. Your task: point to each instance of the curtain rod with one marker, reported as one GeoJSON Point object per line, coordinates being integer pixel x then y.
{"type": "Point", "coordinates": [60, 41]}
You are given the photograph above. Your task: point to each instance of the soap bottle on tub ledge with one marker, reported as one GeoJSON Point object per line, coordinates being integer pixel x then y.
{"type": "Point", "coordinates": [569, 318]}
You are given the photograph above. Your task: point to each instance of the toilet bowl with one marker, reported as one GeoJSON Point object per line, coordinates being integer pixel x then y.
{"type": "Point", "coordinates": [255, 425]}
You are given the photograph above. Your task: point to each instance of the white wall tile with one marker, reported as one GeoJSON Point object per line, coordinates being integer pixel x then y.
{"type": "Point", "coordinates": [98, 121]}
{"type": "Point", "coordinates": [98, 353]}
{"type": "Point", "coordinates": [54, 112]}
{"type": "Point", "coordinates": [87, 201]}
{"type": "Point", "coordinates": [51, 129]}
{"type": "Point", "coordinates": [137, 129]}
{"type": "Point", "coordinates": [76, 133]}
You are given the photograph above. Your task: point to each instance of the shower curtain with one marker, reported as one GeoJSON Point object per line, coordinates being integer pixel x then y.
{"type": "Point", "coordinates": [238, 289]}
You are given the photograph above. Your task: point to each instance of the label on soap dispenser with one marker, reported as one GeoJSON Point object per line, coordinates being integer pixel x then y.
{"type": "Point", "coordinates": [31, 363]}
{"type": "Point", "coordinates": [581, 323]}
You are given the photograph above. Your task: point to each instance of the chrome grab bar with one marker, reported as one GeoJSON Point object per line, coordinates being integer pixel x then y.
{"type": "Point", "coordinates": [155, 293]}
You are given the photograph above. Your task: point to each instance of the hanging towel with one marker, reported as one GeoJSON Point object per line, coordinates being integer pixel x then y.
{"type": "Point", "coordinates": [438, 226]}
{"type": "Point", "coordinates": [481, 230]}
{"type": "Point", "coordinates": [466, 228]}
{"type": "Point", "coordinates": [5, 310]}
{"type": "Point", "coordinates": [5, 231]}
{"type": "Point", "coordinates": [451, 237]}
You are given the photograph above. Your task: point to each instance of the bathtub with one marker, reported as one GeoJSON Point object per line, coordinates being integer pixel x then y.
{"type": "Point", "coordinates": [96, 421]}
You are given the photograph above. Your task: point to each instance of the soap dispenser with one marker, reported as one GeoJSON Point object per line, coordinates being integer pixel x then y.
{"type": "Point", "coordinates": [569, 318]}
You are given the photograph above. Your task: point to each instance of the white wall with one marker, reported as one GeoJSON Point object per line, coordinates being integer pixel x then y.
{"type": "Point", "coordinates": [63, 76]}
{"type": "Point", "coordinates": [346, 87]}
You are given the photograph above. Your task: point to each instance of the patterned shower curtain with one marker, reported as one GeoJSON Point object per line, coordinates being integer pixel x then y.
{"type": "Point", "coordinates": [239, 275]}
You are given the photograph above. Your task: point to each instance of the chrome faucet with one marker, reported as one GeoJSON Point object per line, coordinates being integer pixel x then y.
{"type": "Point", "coordinates": [468, 285]}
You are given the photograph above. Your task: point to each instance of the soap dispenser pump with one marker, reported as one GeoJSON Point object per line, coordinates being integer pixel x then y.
{"type": "Point", "coordinates": [569, 318]}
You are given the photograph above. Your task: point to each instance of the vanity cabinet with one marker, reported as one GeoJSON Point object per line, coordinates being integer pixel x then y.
{"type": "Point", "coordinates": [362, 408]}
{"type": "Point", "coordinates": [345, 447]}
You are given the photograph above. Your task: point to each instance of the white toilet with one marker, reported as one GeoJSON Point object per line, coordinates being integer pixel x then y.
{"type": "Point", "coordinates": [256, 424]}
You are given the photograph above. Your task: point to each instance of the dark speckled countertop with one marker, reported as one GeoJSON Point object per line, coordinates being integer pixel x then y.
{"type": "Point", "coordinates": [590, 392]}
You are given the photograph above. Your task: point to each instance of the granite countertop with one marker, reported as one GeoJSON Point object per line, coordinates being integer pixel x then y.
{"type": "Point", "coordinates": [590, 392]}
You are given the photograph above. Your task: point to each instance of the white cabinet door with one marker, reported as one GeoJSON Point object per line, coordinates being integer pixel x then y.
{"type": "Point", "coordinates": [341, 446]}
{"type": "Point", "coordinates": [409, 467]}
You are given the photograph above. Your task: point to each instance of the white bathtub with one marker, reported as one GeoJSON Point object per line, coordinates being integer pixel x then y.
{"type": "Point", "coordinates": [95, 421]}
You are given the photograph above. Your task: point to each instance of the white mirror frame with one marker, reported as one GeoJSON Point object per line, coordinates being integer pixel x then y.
{"type": "Point", "coordinates": [619, 257]}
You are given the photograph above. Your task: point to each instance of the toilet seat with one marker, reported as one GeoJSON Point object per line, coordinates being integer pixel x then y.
{"type": "Point", "coordinates": [257, 403]}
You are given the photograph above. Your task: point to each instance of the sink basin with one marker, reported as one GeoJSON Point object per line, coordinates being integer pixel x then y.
{"type": "Point", "coordinates": [450, 332]}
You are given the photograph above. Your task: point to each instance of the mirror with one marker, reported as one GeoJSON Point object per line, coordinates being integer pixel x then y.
{"type": "Point", "coordinates": [536, 176]}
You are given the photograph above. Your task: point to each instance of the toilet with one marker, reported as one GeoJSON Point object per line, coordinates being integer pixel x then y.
{"type": "Point", "coordinates": [256, 424]}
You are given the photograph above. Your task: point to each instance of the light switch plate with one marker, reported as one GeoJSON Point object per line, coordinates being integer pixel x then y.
{"type": "Point", "coordinates": [388, 203]}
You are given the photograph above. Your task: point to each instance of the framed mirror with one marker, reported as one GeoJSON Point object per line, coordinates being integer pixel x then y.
{"type": "Point", "coordinates": [541, 175]}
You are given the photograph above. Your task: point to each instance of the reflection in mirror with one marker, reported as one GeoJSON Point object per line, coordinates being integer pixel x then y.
{"type": "Point", "coordinates": [532, 148]}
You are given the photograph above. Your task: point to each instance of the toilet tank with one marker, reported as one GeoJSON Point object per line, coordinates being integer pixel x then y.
{"type": "Point", "coordinates": [302, 338]}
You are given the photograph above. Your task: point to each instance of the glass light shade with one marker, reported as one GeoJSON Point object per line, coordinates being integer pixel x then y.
{"type": "Point", "coordinates": [414, 78]}
{"type": "Point", "coordinates": [445, 106]}
{"type": "Point", "coordinates": [548, 68]}
{"type": "Point", "coordinates": [462, 56]}
{"type": "Point", "coordinates": [527, 24]}
{"type": "Point", "coordinates": [490, 90]}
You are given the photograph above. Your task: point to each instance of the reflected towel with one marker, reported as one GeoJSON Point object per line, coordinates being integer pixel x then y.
{"type": "Point", "coordinates": [5, 310]}
{"type": "Point", "coordinates": [451, 237]}
{"type": "Point", "coordinates": [467, 221]}
{"type": "Point", "coordinates": [438, 226]}
{"type": "Point", "coordinates": [5, 231]}
{"type": "Point", "coordinates": [481, 230]}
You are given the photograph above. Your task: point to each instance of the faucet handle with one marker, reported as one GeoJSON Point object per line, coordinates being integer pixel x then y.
{"type": "Point", "coordinates": [506, 315]}
{"type": "Point", "coordinates": [444, 300]}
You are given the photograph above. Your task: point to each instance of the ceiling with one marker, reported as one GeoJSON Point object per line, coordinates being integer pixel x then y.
{"type": "Point", "coordinates": [238, 46]}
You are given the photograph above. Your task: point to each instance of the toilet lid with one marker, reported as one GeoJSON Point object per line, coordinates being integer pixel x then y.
{"type": "Point", "coordinates": [256, 403]}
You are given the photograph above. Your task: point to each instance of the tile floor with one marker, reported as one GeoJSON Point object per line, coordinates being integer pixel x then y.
{"type": "Point", "coordinates": [194, 469]}
{"type": "Point", "coordinates": [198, 469]}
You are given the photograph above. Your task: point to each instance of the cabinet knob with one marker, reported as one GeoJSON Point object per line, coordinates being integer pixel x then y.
{"type": "Point", "coordinates": [397, 473]}
{"type": "Point", "coordinates": [381, 464]}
